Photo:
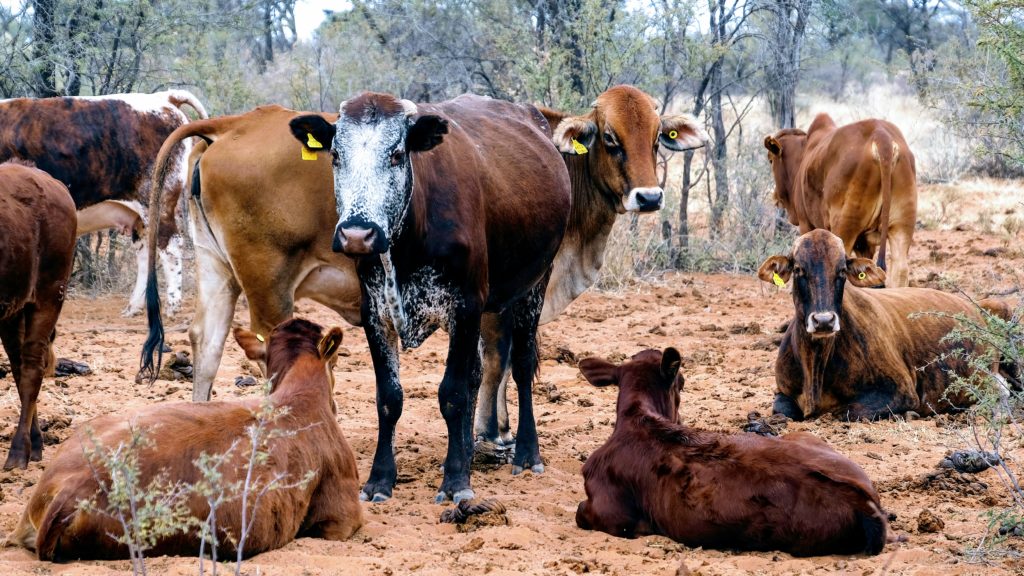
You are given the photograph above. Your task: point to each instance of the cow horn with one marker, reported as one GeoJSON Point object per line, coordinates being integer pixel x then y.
{"type": "Point", "coordinates": [409, 107]}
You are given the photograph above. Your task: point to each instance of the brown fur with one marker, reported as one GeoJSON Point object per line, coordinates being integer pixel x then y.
{"type": "Point", "coordinates": [880, 362]}
{"type": "Point", "coordinates": [37, 220]}
{"type": "Point", "coordinates": [300, 357]}
{"type": "Point", "coordinates": [858, 181]}
{"type": "Point", "coordinates": [656, 475]}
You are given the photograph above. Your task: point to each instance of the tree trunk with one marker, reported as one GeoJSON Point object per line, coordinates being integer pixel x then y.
{"type": "Point", "coordinates": [719, 153]}
{"type": "Point", "coordinates": [42, 43]}
{"type": "Point", "coordinates": [787, 24]}
{"type": "Point", "coordinates": [268, 36]}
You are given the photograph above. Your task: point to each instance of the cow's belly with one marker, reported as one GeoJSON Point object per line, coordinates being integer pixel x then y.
{"type": "Point", "coordinates": [336, 288]}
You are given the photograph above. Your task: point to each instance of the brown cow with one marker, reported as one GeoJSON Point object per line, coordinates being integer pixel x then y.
{"type": "Point", "coordinates": [103, 148]}
{"type": "Point", "coordinates": [37, 217]}
{"type": "Point", "coordinates": [300, 357]}
{"type": "Point", "coordinates": [858, 180]}
{"type": "Point", "coordinates": [861, 353]}
{"type": "Point", "coordinates": [610, 153]}
{"type": "Point", "coordinates": [656, 475]}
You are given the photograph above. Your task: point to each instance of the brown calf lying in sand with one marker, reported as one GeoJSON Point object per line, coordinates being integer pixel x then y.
{"type": "Point", "coordinates": [741, 491]}
{"type": "Point", "coordinates": [300, 359]}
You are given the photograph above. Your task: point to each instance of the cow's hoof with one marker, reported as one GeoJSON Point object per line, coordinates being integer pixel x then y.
{"type": "Point", "coordinates": [536, 469]}
{"type": "Point", "coordinates": [130, 311]}
{"type": "Point", "coordinates": [16, 461]}
{"type": "Point", "coordinates": [377, 497]}
{"type": "Point", "coordinates": [464, 494]}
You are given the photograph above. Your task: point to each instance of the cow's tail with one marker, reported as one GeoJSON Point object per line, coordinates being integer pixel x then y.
{"type": "Point", "coordinates": [180, 97]}
{"type": "Point", "coordinates": [207, 130]}
{"type": "Point", "coordinates": [886, 152]}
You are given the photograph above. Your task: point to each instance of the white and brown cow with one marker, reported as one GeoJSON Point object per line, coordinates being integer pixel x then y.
{"type": "Point", "coordinates": [103, 148]}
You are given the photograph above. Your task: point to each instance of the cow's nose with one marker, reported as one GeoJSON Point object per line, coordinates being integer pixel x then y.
{"type": "Point", "coordinates": [354, 241]}
{"type": "Point", "coordinates": [823, 321]}
{"type": "Point", "coordinates": [649, 199]}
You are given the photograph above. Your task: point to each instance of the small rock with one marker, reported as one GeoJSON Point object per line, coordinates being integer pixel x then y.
{"type": "Point", "coordinates": [245, 381]}
{"type": "Point", "coordinates": [874, 456]}
{"type": "Point", "coordinates": [770, 426]}
{"type": "Point", "coordinates": [970, 461]}
{"type": "Point", "coordinates": [66, 367]}
{"type": "Point", "coordinates": [474, 545]}
{"type": "Point", "coordinates": [928, 522]}
{"type": "Point", "coordinates": [995, 252]}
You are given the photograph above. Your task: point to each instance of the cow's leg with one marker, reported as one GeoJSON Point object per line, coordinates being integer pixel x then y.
{"type": "Point", "coordinates": [137, 301]}
{"type": "Point", "coordinates": [491, 421]}
{"type": "Point", "coordinates": [383, 343]}
{"type": "Point", "coordinates": [788, 407]}
{"type": "Point", "coordinates": [900, 238]}
{"type": "Point", "coordinates": [876, 404]}
{"type": "Point", "coordinates": [34, 351]}
{"type": "Point", "coordinates": [457, 396]}
{"type": "Point", "coordinates": [171, 261]}
{"type": "Point", "coordinates": [216, 295]}
{"type": "Point", "coordinates": [526, 315]}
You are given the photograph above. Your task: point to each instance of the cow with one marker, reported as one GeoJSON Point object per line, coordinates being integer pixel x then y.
{"type": "Point", "coordinates": [37, 246]}
{"type": "Point", "coordinates": [304, 438]}
{"type": "Point", "coordinates": [656, 475]}
{"type": "Point", "coordinates": [102, 148]}
{"type": "Point", "coordinates": [858, 181]}
{"type": "Point", "coordinates": [451, 210]}
{"type": "Point", "coordinates": [863, 354]}
{"type": "Point", "coordinates": [610, 153]}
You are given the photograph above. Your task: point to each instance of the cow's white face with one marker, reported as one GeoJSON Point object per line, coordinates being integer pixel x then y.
{"type": "Point", "coordinates": [370, 146]}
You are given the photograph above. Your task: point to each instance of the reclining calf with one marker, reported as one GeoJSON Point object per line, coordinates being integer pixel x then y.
{"type": "Point", "coordinates": [737, 491]}
{"type": "Point", "coordinates": [300, 359]}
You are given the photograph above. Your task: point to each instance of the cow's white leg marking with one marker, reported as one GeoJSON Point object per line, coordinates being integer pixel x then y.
{"type": "Point", "coordinates": [138, 298]}
{"type": "Point", "coordinates": [171, 260]}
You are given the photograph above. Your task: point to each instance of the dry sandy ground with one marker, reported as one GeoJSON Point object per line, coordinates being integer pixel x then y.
{"type": "Point", "coordinates": [725, 327]}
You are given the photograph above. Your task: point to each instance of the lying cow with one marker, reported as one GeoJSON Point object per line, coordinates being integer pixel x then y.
{"type": "Point", "coordinates": [102, 148]}
{"type": "Point", "coordinates": [861, 353]}
{"type": "Point", "coordinates": [858, 180]}
{"type": "Point", "coordinates": [656, 475]}
{"type": "Point", "coordinates": [37, 243]}
{"type": "Point", "coordinates": [300, 357]}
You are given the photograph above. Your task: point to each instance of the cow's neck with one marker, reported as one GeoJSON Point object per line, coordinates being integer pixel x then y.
{"type": "Point", "coordinates": [579, 259]}
{"type": "Point", "coordinates": [816, 354]}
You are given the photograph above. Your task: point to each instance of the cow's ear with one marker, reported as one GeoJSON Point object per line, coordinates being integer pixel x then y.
{"type": "Point", "coordinates": [776, 270]}
{"type": "Point", "coordinates": [681, 132]}
{"type": "Point", "coordinates": [574, 135]}
{"type": "Point", "coordinates": [425, 132]}
{"type": "Point", "coordinates": [670, 364]}
{"type": "Point", "coordinates": [864, 273]}
{"type": "Point", "coordinates": [773, 146]}
{"type": "Point", "coordinates": [254, 345]}
{"type": "Point", "coordinates": [599, 372]}
{"type": "Point", "coordinates": [313, 131]}
{"type": "Point", "coordinates": [329, 344]}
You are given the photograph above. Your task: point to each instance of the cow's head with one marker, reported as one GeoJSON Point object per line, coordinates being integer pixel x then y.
{"type": "Point", "coordinates": [371, 145]}
{"type": "Point", "coordinates": [785, 151]}
{"type": "Point", "coordinates": [621, 136]}
{"type": "Point", "coordinates": [820, 269]}
{"type": "Point", "coordinates": [280, 349]}
{"type": "Point", "coordinates": [651, 378]}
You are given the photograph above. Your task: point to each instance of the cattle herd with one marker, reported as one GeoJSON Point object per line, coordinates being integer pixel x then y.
{"type": "Point", "coordinates": [485, 219]}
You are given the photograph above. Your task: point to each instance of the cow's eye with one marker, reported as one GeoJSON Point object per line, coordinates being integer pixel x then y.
{"type": "Point", "coordinates": [609, 141]}
{"type": "Point", "coordinates": [397, 157]}
{"type": "Point", "coordinates": [798, 271]}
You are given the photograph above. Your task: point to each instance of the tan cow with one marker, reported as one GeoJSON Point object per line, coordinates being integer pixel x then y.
{"type": "Point", "coordinates": [858, 181]}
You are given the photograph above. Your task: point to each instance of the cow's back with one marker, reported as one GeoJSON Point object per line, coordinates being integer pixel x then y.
{"type": "Point", "coordinates": [38, 222]}
{"type": "Point", "coordinates": [498, 160]}
{"type": "Point", "coordinates": [100, 148]}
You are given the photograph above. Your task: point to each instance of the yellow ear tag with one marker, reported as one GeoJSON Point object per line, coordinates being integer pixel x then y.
{"type": "Point", "coordinates": [260, 338]}
{"type": "Point", "coordinates": [673, 134]}
{"type": "Point", "coordinates": [308, 154]}
{"type": "Point", "coordinates": [312, 142]}
{"type": "Point", "coordinates": [778, 280]}
{"type": "Point", "coordinates": [862, 275]}
{"type": "Point", "coordinates": [578, 147]}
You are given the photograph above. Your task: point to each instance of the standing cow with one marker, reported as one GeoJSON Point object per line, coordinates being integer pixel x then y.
{"type": "Point", "coordinates": [451, 210]}
{"type": "Point", "coordinates": [103, 148]}
{"type": "Point", "coordinates": [858, 181]}
{"type": "Point", "coordinates": [37, 243]}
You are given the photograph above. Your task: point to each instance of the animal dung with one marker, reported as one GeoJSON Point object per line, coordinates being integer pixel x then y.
{"type": "Point", "coordinates": [470, 515]}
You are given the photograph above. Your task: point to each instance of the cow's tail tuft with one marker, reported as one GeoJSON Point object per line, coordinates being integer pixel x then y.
{"type": "Point", "coordinates": [886, 152]}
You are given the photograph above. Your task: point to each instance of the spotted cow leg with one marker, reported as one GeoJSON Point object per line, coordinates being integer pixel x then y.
{"type": "Point", "coordinates": [525, 317]}
{"type": "Point", "coordinates": [491, 421]}
{"type": "Point", "coordinates": [383, 343]}
{"type": "Point", "coordinates": [457, 396]}
{"type": "Point", "coordinates": [171, 261]}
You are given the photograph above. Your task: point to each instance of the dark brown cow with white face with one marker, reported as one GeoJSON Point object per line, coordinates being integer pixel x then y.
{"type": "Point", "coordinates": [858, 181]}
{"type": "Point", "coordinates": [655, 475]}
{"type": "Point", "coordinates": [103, 148]}
{"type": "Point", "coordinates": [300, 355]}
{"type": "Point", "coordinates": [452, 210]}
{"type": "Point", "coordinates": [860, 353]}
{"type": "Point", "coordinates": [37, 242]}
{"type": "Point", "coordinates": [610, 153]}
